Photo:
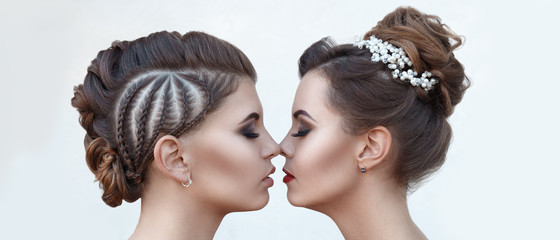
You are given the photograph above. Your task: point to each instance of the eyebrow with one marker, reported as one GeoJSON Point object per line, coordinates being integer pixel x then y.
{"type": "Point", "coordinates": [304, 113]}
{"type": "Point", "coordinates": [253, 115]}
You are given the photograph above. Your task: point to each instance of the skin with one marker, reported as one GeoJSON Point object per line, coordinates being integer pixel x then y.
{"type": "Point", "coordinates": [326, 165]}
{"type": "Point", "coordinates": [228, 169]}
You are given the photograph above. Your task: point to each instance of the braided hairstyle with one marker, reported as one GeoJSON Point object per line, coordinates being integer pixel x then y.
{"type": "Point", "coordinates": [366, 94]}
{"type": "Point", "coordinates": [137, 91]}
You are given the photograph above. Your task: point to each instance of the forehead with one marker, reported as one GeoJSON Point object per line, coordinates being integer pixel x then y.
{"type": "Point", "coordinates": [242, 100]}
{"type": "Point", "coordinates": [311, 95]}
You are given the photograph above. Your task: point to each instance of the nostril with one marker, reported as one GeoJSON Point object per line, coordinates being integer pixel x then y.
{"type": "Point", "coordinates": [285, 149]}
{"type": "Point", "coordinates": [286, 153]}
{"type": "Point", "coordinates": [272, 155]}
{"type": "Point", "coordinates": [273, 151]}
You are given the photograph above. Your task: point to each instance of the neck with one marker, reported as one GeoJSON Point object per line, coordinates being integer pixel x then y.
{"type": "Point", "coordinates": [374, 212]}
{"type": "Point", "coordinates": [176, 218]}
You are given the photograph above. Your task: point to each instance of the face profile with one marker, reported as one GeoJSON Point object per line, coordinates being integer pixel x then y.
{"type": "Point", "coordinates": [369, 123]}
{"type": "Point", "coordinates": [319, 154]}
{"type": "Point", "coordinates": [229, 155]}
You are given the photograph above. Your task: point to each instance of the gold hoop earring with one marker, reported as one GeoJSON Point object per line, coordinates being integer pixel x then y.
{"type": "Point", "coordinates": [188, 184]}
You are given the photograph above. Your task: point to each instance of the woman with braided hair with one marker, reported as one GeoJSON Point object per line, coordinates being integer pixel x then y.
{"type": "Point", "coordinates": [370, 123]}
{"type": "Point", "coordinates": [176, 121]}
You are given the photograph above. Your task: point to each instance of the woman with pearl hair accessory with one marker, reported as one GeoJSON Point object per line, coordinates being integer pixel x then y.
{"type": "Point", "coordinates": [367, 128]}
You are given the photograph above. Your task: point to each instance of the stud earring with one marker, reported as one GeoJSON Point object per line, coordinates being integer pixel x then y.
{"type": "Point", "coordinates": [188, 184]}
{"type": "Point", "coordinates": [363, 169]}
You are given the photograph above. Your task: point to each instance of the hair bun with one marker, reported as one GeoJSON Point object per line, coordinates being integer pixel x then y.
{"type": "Point", "coordinates": [429, 44]}
{"type": "Point", "coordinates": [104, 162]}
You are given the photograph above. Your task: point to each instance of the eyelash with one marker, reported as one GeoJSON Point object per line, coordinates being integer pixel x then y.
{"type": "Point", "coordinates": [251, 135]}
{"type": "Point", "coordinates": [301, 133]}
{"type": "Point", "coordinates": [248, 132]}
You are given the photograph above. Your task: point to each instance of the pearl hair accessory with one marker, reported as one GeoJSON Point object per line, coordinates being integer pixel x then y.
{"type": "Point", "coordinates": [396, 59]}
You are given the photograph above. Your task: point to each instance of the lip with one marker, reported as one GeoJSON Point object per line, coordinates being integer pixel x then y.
{"type": "Point", "coordinates": [268, 180]}
{"type": "Point", "coordinates": [289, 177]}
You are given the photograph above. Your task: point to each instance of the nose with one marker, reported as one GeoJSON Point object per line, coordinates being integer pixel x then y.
{"type": "Point", "coordinates": [271, 149]}
{"type": "Point", "coordinates": [286, 147]}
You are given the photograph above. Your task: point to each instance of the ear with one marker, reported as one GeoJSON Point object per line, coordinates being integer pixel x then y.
{"type": "Point", "coordinates": [168, 155]}
{"type": "Point", "coordinates": [377, 143]}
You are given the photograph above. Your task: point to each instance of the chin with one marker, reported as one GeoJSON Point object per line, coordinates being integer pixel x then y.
{"type": "Point", "coordinates": [263, 201]}
{"type": "Point", "coordinates": [296, 200]}
{"type": "Point", "coordinates": [313, 203]}
{"type": "Point", "coordinates": [256, 203]}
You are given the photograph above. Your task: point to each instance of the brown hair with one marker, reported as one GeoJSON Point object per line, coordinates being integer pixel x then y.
{"type": "Point", "coordinates": [137, 91]}
{"type": "Point", "coordinates": [367, 95]}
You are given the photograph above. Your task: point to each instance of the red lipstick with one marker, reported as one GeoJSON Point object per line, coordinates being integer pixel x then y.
{"type": "Point", "coordinates": [289, 177]}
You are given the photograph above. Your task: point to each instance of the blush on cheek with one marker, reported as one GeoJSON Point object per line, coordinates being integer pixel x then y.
{"type": "Point", "coordinates": [231, 172]}
{"type": "Point", "coordinates": [245, 170]}
{"type": "Point", "coordinates": [323, 164]}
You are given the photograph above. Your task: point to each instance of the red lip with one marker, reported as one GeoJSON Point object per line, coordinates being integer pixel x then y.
{"type": "Point", "coordinates": [289, 177]}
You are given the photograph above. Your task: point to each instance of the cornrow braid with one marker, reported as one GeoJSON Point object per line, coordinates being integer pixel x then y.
{"type": "Point", "coordinates": [122, 109]}
{"type": "Point", "coordinates": [146, 105]}
{"type": "Point", "coordinates": [184, 126]}
{"type": "Point", "coordinates": [189, 115]}
{"type": "Point", "coordinates": [136, 120]}
{"type": "Point", "coordinates": [184, 99]}
{"type": "Point", "coordinates": [201, 115]}
{"type": "Point", "coordinates": [161, 117]}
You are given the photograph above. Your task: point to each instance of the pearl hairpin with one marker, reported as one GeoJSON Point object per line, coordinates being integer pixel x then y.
{"type": "Point", "coordinates": [396, 59]}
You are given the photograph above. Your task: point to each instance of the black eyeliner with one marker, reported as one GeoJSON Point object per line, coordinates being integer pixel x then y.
{"type": "Point", "coordinates": [251, 135]}
{"type": "Point", "coordinates": [249, 131]}
{"type": "Point", "coordinates": [301, 133]}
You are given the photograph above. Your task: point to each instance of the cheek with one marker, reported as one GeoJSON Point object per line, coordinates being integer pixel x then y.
{"type": "Point", "coordinates": [227, 168]}
{"type": "Point", "coordinates": [324, 164]}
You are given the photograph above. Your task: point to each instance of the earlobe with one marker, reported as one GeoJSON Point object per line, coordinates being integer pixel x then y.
{"type": "Point", "coordinates": [168, 156]}
{"type": "Point", "coordinates": [377, 143]}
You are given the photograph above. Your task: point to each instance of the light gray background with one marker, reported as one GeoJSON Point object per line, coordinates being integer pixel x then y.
{"type": "Point", "coordinates": [500, 180]}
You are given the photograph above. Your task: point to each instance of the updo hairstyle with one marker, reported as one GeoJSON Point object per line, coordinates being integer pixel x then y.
{"type": "Point", "coordinates": [366, 94]}
{"type": "Point", "coordinates": [137, 91]}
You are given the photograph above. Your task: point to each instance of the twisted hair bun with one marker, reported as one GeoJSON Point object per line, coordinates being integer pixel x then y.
{"type": "Point", "coordinates": [104, 162]}
{"type": "Point", "coordinates": [429, 44]}
{"type": "Point", "coordinates": [101, 159]}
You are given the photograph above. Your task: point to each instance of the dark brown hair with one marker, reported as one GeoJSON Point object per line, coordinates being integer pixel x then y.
{"type": "Point", "coordinates": [137, 91]}
{"type": "Point", "coordinates": [367, 95]}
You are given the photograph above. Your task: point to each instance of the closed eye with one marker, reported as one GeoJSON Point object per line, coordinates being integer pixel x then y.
{"type": "Point", "coordinates": [301, 133]}
{"type": "Point", "coordinates": [251, 135]}
{"type": "Point", "coordinates": [249, 129]}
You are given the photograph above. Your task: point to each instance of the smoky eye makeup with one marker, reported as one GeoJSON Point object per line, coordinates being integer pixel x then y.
{"type": "Point", "coordinates": [301, 133]}
{"type": "Point", "coordinates": [303, 129]}
{"type": "Point", "coordinates": [249, 130]}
